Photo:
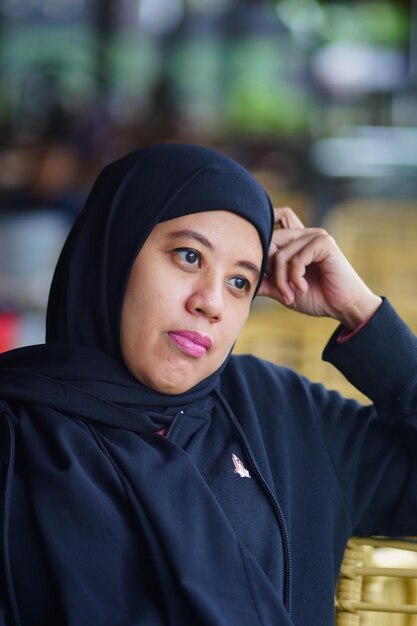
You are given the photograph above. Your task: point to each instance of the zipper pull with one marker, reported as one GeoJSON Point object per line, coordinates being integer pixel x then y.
{"type": "Point", "coordinates": [172, 425]}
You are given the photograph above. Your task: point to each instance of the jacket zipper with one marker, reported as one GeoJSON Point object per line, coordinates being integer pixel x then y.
{"type": "Point", "coordinates": [272, 497]}
{"type": "Point", "coordinates": [172, 424]}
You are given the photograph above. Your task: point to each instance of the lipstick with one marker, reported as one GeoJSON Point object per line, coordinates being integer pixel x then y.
{"type": "Point", "coordinates": [191, 342]}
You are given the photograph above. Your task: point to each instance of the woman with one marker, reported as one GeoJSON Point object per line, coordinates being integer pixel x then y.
{"type": "Point", "coordinates": [149, 477]}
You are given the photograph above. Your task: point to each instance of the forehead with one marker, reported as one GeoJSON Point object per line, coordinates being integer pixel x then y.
{"type": "Point", "coordinates": [219, 227]}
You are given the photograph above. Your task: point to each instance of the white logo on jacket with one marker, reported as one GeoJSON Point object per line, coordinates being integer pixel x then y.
{"type": "Point", "coordinates": [239, 467]}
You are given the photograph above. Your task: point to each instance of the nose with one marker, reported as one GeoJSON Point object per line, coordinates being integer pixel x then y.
{"type": "Point", "coordinates": [207, 299]}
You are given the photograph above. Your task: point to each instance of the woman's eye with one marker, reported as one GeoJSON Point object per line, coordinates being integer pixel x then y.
{"type": "Point", "coordinates": [239, 282]}
{"type": "Point", "coordinates": [189, 256]}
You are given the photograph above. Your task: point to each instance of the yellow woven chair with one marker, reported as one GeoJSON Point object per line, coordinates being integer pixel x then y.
{"type": "Point", "coordinates": [378, 583]}
{"type": "Point", "coordinates": [379, 238]}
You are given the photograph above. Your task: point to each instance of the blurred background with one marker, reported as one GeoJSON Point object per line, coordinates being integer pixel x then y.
{"type": "Point", "coordinates": [318, 98]}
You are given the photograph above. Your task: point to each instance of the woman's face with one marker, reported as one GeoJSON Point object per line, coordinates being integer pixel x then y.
{"type": "Point", "coordinates": [188, 297]}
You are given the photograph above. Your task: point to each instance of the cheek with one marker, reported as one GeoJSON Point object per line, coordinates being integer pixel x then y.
{"type": "Point", "coordinates": [149, 316]}
{"type": "Point", "coordinates": [234, 322]}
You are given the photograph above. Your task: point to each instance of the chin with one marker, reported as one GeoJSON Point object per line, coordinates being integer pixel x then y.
{"type": "Point", "coordinates": [175, 379]}
{"type": "Point", "coordinates": [171, 385]}
{"type": "Point", "coordinates": [171, 389]}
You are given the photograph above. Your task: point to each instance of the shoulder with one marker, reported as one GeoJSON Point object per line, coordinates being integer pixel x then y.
{"type": "Point", "coordinates": [249, 379]}
{"type": "Point", "coordinates": [248, 364]}
{"type": "Point", "coordinates": [262, 377]}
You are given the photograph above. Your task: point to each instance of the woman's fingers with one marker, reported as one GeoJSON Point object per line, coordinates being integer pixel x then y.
{"type": "Point", "coordinates": [309, 273]}
{"type": "Point", "coordinates": [293, 261]}
{"type": "Point", "coordinates": [282, 237]}
{"type": "Point", "coordinates": [295, 252]}
{"type": "Point", "coordinates": [286, 218]}
{"type": "Point", "coordinates": [293, 248]}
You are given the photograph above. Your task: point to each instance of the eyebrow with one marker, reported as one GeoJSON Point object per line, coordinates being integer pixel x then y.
{"type": "Point", "coordinates": [193, 234]}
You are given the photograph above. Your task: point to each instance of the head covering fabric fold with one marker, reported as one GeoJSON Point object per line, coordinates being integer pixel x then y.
{"type": "Point", "coordinates": [129, 198]}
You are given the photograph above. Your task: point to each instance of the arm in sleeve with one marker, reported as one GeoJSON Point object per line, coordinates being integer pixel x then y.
{"type": "Point", "coordinates": [374, 449]}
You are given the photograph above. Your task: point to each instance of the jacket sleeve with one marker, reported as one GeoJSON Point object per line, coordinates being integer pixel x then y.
{"type": "Point", "coordinates": [374, 448]}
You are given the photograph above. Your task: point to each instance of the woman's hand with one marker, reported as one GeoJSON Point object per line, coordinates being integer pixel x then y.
{"type": "Point", "coordinates": [307, 272]}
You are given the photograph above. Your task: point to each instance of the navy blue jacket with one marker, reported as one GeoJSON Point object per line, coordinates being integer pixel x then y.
{"type": "Point", "coordinates": [238, 516]}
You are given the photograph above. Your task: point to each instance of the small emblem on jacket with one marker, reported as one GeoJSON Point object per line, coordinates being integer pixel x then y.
{"type": "Point", "coordinates": [239, 467]}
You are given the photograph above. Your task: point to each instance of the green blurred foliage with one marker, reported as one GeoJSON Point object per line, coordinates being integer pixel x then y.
{"type": "Point", "coordinates": [196, 68]}
{"type": "Point", "coordinates": [370, 22]}
{"type": "Point", "coordinates": [68, 48]}
{"type": "Point", "coordinates": [134, 63]}
{"type": "Point", "coordinates": [266, 91]}
{"type": "Point", "coordinates": [253, 83]}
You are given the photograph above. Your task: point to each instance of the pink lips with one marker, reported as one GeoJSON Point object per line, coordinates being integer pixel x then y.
{"type": "Point", "coordinates": [191, 342]}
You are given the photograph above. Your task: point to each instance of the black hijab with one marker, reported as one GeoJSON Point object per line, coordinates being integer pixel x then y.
{"type": "Point", "coordinates": [81, 361]}
{"type": "Point", "coordinates": [129, 198]}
